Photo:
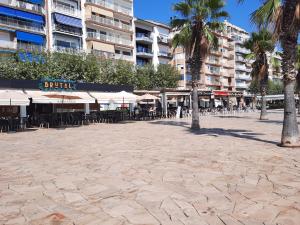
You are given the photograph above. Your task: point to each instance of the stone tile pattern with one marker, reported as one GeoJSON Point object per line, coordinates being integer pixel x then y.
{"type": "Point", "coordinates": [151, 173]}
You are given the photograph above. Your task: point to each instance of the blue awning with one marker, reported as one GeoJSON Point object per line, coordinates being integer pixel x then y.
{"type": "Point", "coordinates": [21, 14]}
{"type": "Point", "coordinates": [38, 2]}
{"type": "Point", "coordinates": [29, 37]}
{"type": "Point", "coordinates": [67, 20]}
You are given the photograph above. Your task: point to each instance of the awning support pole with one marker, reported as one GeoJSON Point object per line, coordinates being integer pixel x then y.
{"type": "Point", "coordinates": [23, 115]}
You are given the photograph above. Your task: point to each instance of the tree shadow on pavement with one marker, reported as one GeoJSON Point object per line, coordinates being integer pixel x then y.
{"type": "Point", "coordinates": [216, 132]}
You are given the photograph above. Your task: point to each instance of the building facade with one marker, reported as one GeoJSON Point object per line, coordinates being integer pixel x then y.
{"type": "Point", "coordinates": [218, 69]}
{"type": "Point", "coordinates": [242, 65]}
{"type": "Point", "coordinates": [152, 43]}
{"type": "Point", "coordinates": [22, 25]}
{"type": "Point", "coordinates": [109, 28]}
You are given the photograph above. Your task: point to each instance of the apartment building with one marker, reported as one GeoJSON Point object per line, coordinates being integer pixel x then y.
{"type": "Point", "coordinates": [275, 71]}
{"type": "Point", "coordinates": [65, 26]}
{"type": "Point", "coordinates": [242, 66]}
{"type": "Point", "coordinates": [109, 28]}
{"type": "Point", "coordinates": [218, 69]}
{"type": "Point", "coordinates": [22, 25]}
{"type": "Point", "coordinates": [152, 43]}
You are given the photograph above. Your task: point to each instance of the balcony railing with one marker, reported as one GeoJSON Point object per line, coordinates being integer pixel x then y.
{"type": "Point", "coordinates": [30, 47]}
{"type": "Point", "coordinates": [19, 24]}
{"type": "Point", "coordinates": [8, 44]}
{"type": "Point", "coordinates": [241, 59]}
{"type": "Point", "coordinates": [244, 68]}
{"type": "Point", "coordinates": [243, 77]}
{"type": "Point", "coordinates": [112, 6]}
{"type": "Point", "coordinates": [144, 37]}
{"type": "Point", "coordinates": [111, 22]}
{"type": "Point", "coordinates": [66, 29]}
{"type": "Point", "coordinates": [241, 85]}
{"type": "Point", "coordinates": [165, 54]}
{"type": "Point", "coordinates": [69, 50]}
{"type": "Point", "coordinates": [66, 9]}
{"type": "Point", "coordinates": [27, 5]}
{"type": "Point", "coordinates": [107, 38]}
{"type": "Point", "coordinates": [103, 54]}
{"type": "Point", "coordinates": [217, 83]}
{"type": "Point", "coordinates": [242, 50]}
{"type": "Point", "coordinates": [124, 57]}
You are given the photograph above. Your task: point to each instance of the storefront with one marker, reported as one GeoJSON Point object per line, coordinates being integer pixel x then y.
{"type": "Point", "coordinates": [220, 99]}
{"type": "Point", "coordinates": [53, 99]}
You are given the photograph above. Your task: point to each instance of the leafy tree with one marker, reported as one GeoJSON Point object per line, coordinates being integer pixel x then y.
{"type": "Point", "coordinates": [195, 28]}
{"type": "Point", "coordinates": [260, 44]}
{"type": "Point", "coordinates": [144, 75]}
{"type": "Point", "coordinates": [283, 17]}
{"type": "Point", "coordinates": [166, 76]}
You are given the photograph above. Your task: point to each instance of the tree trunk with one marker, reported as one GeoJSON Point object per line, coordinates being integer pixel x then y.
{"type": "Point", "coordinates": [263, 111]}
{"type": "Point", "coordinates": [195, 112]}
{"type": "Point", "coordinates": [290, 131]}
{"type": "Point", "coordinates": [298, 103]}
{"type": "Point", "coordinates": [264, 86]}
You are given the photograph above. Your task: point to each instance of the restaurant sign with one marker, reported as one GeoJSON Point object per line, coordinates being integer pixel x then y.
{"type": "Point", "coordinates": [57, 85]}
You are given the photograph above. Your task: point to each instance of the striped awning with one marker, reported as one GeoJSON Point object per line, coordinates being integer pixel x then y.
{"type": "Point", "coordinates": [67, 20]}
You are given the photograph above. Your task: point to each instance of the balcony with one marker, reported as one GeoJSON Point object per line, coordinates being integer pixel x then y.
{"type": "Point", "coordinates": [163, 39]}
{"type": "Point", "coordinates": [124, 57]}
{"type": "Point", "coordinates": [8, 44]}
{"type": "Point", "coordinates": [111, 39]}
{"type": "Point", "coordinates": [215, 52]}
{"type": "Point", "coordinates": [144, 53]}
{"type": "Point", "coordinates": [27, 5]}
{"type": "Point", "coordinates": [67, 10]}
{"type": "Point", "coordinates": [68, 50]}
{"type": "Point", "coordinates": [243, 77]}
{"type": "Point", "coordinates": [103, 54]}
{"type": "Point", "coordinates": [241, 59]}
{"type": "Point", "coordinates": [117, 8]}
{"type": "Point", "coordinates": [165, 55]}
{"type": "Point", "coordinates": [20, 24]}
{"type": "Point", "coordinates": [110, 22]}
{"type": "Point", "coordinates": [241, 85]}
{"type": "Point", "coordinates": [67, 29]}
{"type": "Point", "coordinates": [214, 62]}
{"type": "Point", "coordinates": [213, 83]}
{"type": "Point", "coordinates": [242, 50]}
{"type": "Point", "coordinates": [243, 68]}
{"type": "Point", "coordinates": [30, 47]}
{"type": "Point", "coordinates": [144, 38]}
{"type": "Point", "coordinates": [213, 72]}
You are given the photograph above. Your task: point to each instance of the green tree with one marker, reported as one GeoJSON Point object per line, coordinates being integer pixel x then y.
{"type": "Point", "coordinates": [144, 75]}
{"type": "Point", "coordinates": [284, 17]}
{"type": "Point", "coordinates": [260, 44]}
{"type": "Point", "coordinates": [166, 76]}
{"type": "Point", "coordinates": [195, 28]}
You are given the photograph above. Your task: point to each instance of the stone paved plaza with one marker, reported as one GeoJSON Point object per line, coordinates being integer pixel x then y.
{"type": "Point", "coordinates": [151, 173]}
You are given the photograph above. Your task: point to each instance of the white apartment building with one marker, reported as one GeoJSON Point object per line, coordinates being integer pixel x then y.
{"type": "Point", "coordinates": [152, 43]}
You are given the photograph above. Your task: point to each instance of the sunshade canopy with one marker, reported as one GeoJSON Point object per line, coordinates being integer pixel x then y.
{"type": "Point", "coordinates": [110, 97]}
{"type": "Point", "coordinates": [75, 97]}
{"type": "Point", "coordinates": [147, 97]}
{"type": "Point", "coordinates": [13, 98]}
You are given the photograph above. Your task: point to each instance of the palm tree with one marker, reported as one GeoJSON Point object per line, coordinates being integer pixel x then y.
{"type": "Point", "coordinates": [283, 16]}
{"type": "Point", "coordinates": [298, 75]}
{"type": "Point", "coordinates": [260, 44]}
{"type": "Point", "coordinates": [195, 32]}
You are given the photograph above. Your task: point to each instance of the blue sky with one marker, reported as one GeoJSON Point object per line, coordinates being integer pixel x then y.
{"type": "Point", "coordinates": [161, 10]}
